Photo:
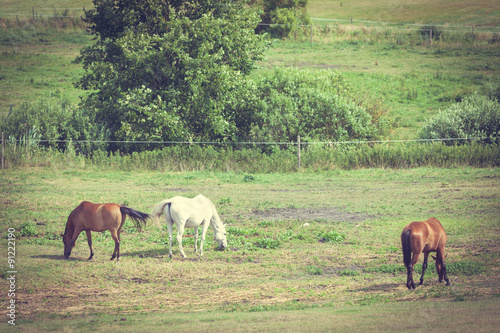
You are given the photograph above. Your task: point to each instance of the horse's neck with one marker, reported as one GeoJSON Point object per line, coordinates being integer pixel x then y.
{"type": "Point", "coordinates": [70, 228]}
{"type": "Point", "coordinates": [215, 220]}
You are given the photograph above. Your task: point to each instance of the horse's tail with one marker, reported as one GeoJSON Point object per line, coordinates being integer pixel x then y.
{"type": "Point", "coordinates": [158, 209]}
{"type": "Point", "coordinates": [136, 216]}
{"type": "Point", "coordinates": [405, 242]}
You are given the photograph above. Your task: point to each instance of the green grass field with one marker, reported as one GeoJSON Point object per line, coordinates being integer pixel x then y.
{"type": "Point", "coordinates": [274, 264]}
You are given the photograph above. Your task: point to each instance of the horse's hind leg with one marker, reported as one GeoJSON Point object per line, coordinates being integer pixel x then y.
{"type": "Point", "coordinates": [180, 232]}
{"type": "Point", "coordinates": [409, 277]}
{"type": "Point", "coordinates": [410, 283]}
{"type": "Point", "coordinates": [442, 274]}
{"type": "Point", "coordinates": [89, 240]}
{"type": "Point", "coordinates": [116, 238]}
{"type": "Point", "coordinates": [424, 267]}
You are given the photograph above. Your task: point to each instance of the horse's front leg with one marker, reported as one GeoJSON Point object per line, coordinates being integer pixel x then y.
{"type": "Point", "coordinates": [89, 240]}
{"type": "Point", "coordinates": [116, 238]}
{"type": "Point", "coordinates": [443, 268]}
{"type": "Point", "coordinates": [424, 267]}
{"type": "Point", "coordinates": [203, 234]}
{"type": "Point", "coordinates": [442, 271]}
{"type": "Point", "coordinates": [195, 239]}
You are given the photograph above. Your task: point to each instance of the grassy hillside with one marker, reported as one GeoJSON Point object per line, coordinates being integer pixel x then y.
{"type": "Point", "coordinates": [483, 13]}
{"type": "Point", "coordinates": [412, 79]}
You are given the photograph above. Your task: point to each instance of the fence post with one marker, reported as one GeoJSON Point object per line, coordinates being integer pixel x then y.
{"type": "Point", "coordinates": [33, 12]}
{"type": "Point", "coordinates": [298, 152]}
{"type": "Point", "coordinates": [430, 36]}
{"type": "Point", "coordinates": [3, 151]}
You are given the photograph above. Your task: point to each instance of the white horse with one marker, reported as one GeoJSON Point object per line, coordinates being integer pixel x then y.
{"type": "Point", "coordinates": [191, 213]}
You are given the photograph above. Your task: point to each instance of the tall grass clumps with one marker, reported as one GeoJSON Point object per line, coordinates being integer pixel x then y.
{"type": "Point", "coordinates": [476, 118]}
{"type": "Point", "coordinates": [191, 157]}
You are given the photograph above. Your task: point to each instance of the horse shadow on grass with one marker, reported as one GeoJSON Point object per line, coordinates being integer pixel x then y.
{"type": "Point", "coordinates": [55, 257]}
{"type": "Point", "coordinates": [387, 287]}
{"type": "Point", "coordinates": [161, 254]}
{"type": "Point", "coordinates": [152, 253]}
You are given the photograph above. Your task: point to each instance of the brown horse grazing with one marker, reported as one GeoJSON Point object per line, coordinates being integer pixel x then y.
{"type": "Point", "coordinates": [99, 217]}
{"type": "Point", "coordinates": [426, 237]}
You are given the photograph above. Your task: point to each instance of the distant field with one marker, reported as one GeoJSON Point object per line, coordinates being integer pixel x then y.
{"type": "Point", "coordinates": [412, 79]}
{"type": "Point", "coordinates": [480, 13]}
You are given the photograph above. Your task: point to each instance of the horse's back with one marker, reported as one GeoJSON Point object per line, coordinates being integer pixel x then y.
{"type": "Point", "coordinates": [417, 228]}
{"type": "Point", "coordinates": [194, 210]}
{"type": "Point", "coordinates": [429, 234]}
{"type": "Point", "coordinates": [96, 217]}
{"type": "Point", "coordinates": [438, 231]}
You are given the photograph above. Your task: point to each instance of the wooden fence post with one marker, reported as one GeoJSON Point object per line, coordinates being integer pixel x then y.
{"type": "Point", "coordinates": [298, 152]}
{"type": "Point", "coordinates": [3, 152]}
{"type": "Point", "coordinates": [430, 36]}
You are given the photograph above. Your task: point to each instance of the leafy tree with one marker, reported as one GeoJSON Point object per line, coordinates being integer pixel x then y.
{"type": "Point", "coordinates": [171, 69]}
{"type": "Point", "coordinates": [280, 16]}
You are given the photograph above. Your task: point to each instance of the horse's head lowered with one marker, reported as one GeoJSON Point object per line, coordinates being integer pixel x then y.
{"type": "Point", "coordinates": [68, 246]}
{"type": "Point", "coordinates": [220, 236]}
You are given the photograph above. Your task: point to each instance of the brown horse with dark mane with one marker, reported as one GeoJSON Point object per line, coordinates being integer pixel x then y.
{"type": "Point", "coordinates": [99, 217]}
{"type": "Point", "coordinates": [424, 237]}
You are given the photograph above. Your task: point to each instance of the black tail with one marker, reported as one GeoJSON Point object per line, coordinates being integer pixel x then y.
{"type": "Point", "coordinates": [405, 242]}
{"type": "Point", "coordinates": [136, 216]}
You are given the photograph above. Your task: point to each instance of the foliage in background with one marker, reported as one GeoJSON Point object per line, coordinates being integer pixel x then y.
{"type": "Point", "coordinates": [280, 18]}
{"type": "Point", "coordinates": [476, 117]}
{"type": "Point", "coordinates": [317, 106]}
{"type": "Point", "coordinates": [57, 124]}
{"type": "Point", "coordinates": [171, 71]}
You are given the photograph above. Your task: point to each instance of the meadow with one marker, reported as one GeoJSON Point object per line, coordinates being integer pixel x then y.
{"type": "Point", "coordinates": [345, 260]}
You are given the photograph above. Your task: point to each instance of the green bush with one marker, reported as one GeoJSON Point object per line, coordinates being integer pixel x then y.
{"type": "Point", "coordinates": [316, 106]}
{"type": "Point", "coordinates": [56, 123]}
{"type": "Point", "coordinates": [476, 118]}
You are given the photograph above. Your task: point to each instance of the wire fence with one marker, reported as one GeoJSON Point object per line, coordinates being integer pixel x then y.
{"type": "Point", "coordinates": [202, 155]}
{"type": "Point", "coordinates": [242, 143]}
